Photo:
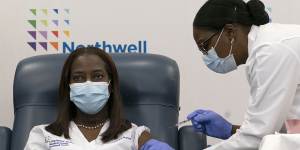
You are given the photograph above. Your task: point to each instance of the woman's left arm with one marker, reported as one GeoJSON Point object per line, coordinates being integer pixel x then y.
{"type": "Point", "coordinates": [146, 143]}
{"type": "Point", "coordinates": [144, 137]}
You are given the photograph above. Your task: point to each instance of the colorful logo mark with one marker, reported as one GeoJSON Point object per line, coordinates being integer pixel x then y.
{"type": "Point", "coordinates": [48, 28]}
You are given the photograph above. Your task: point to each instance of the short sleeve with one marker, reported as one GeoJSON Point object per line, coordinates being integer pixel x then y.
{"type": "Point", "coordinates": [36, 139]}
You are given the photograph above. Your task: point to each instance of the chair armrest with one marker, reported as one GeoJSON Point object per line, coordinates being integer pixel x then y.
{"type": "Point", "coordinates": [5, 135]}
{"type": "Point", "coordinates": [190, 140]}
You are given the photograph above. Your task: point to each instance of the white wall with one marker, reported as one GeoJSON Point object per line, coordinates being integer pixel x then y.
{"type": "Point", "coordinates": [165, 25]}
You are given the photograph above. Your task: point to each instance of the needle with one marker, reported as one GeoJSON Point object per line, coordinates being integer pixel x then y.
{"type": "Point", "coordinates": [181, 122]}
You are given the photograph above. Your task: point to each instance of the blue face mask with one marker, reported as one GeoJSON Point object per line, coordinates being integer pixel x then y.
{"type": "Point", "coordinates": [217, 64]}
{"type": "Point", "coordinates": [89, 97]}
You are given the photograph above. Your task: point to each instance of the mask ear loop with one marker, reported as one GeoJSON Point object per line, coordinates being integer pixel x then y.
{"type": "Point", "coordinates": [217, 42]}
{"type": "Point", "coordinates": [231, 46]}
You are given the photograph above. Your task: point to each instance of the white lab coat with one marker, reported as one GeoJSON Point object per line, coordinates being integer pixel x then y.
{"type": "Point", "coordinates": [280, 142]}
{"type": "Point", "coordinates": [273, 72]}
{"type": "Point", "coordinates": [40, 139]}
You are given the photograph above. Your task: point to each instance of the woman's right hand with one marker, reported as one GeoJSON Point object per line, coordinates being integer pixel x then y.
{"type": "Point", "coordinates": [210, 123]}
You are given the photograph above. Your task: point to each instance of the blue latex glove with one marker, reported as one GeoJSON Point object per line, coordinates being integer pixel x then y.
{"type": "Point", "coordinates": [210, 123]}
{"type": "Point", "coordinates": [155, 145]}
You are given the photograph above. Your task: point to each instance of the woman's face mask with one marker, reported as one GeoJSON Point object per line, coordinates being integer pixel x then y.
{"type": "Point", "coordinates": [217, 64]}
{"type": "Point", "coordinates": [89, 86]}
{"type": "Point", "coordinates": [89, 97]}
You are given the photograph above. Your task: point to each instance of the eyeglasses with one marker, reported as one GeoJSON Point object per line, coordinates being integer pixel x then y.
{"type": "Point", "coordinates": [203, 47]}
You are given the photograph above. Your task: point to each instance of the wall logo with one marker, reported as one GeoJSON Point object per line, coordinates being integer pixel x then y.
{"type": "Point", "coordinates": [48, 28]}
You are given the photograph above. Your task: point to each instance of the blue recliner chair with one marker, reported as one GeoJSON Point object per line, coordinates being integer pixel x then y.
{"type": "Point", "coordinates": [149, 87]}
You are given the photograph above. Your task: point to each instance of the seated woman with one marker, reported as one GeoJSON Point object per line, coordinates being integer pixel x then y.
{"type": "Point", "coordinates": [90, 110]}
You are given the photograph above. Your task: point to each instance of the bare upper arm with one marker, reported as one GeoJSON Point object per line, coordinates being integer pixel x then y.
{"type": "Point", "coordinates": [144, 137]}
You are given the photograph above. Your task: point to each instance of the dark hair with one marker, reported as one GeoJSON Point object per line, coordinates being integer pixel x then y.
{"type": "Point", "coordinates": [67, 109]}
{"type": "Point", "coordinates": [216, 13]}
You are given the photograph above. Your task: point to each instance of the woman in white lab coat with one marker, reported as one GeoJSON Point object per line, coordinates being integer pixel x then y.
{"type": "Point", "coordinates": [89, 110]}
{"type": "Point", "coordinates": [231, 33]}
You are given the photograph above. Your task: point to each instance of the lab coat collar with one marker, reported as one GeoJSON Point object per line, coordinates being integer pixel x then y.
{"type": "Point", "coordinates": [105, 127]}
{"type": "Point", "coordinates": [251, 38]}
{"type": "Point", "coordinates": [76, 131]}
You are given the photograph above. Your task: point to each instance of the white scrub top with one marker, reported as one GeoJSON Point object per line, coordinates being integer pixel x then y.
{"type": "Point", "coordinates": [40, 139]}
{"type": "Point", "coordinates": [273, 72]}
